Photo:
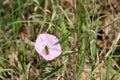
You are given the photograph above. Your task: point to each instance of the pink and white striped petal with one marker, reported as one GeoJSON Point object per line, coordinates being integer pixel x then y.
{"type": "Point", "coordinates": [52, 43]}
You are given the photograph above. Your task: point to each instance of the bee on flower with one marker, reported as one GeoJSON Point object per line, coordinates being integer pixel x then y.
{"type": "Point", "coordinates": [48, 46]}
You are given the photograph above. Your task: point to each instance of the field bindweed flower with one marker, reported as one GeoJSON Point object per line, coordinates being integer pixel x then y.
{"type": "Point", "coordinates": [48, 46]}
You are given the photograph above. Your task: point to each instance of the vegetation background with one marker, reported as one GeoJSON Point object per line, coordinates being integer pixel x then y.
{"type": "Point", "coordinates": [89, 33]}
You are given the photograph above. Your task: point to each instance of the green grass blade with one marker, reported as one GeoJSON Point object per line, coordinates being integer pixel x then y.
{"type": "Point", "coordinates": [52, 72]}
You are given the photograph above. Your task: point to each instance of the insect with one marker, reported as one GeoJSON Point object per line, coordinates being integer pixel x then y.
{"type": "Point", "coordinates": [46, 50]}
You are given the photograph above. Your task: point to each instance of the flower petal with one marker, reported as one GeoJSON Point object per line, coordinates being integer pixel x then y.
{"type": "Point", "coordinates": [51, 42]}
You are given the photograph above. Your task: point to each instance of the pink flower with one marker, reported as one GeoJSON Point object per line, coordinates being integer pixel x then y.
{"type": "Point", "coordinates": [48, 46]}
